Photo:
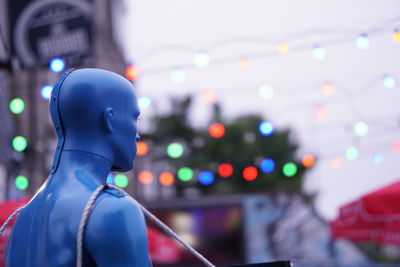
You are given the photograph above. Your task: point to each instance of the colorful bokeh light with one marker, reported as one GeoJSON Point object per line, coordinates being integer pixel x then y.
{"type": "Point", "coordinates": [210, 97]}
{"type": "Point", "coordinates": [175, 150]}
{"type": "Point", "coordinates": [206, 178]}
{"type": "Point", "coordinates": [362, 42]}
{"type": "Point", "coordinates": [308, 160]}
{"type": "Point", "coordinates": [396, 147]}
{"type": "Point", "coordinates": [360, 128]}
{"type": "Point", "coordinates": [121, 180]}
{"type": "Point", "coordinates": [141, 148]}
{"type": "Point", "coordinates": [166, 179]}
{"type": "Point", "coordinates": [336, 162]}
{"type": "Point", "coordinates": [266, 91]}
{"type": "Point", "coordinates": [266, 128]}
{"type": "Point", "coordinates": [225, 170]}
{"type": "Point", "coordinates": [201, 60]}
{"type": "Point", "coordinates": [57, 65]}
{"type": "Point", "coordinates": [250, 173]}
{"type": "Point", "coordinates": [396, 36]}
{"type": "Point", "coordinates": [283, 48]}
{"type": "Point", "coordinates": [185, 174]}
{"type": "Point", "coordinates": [21, 182]}
{"type": "Point", "coordinates": [217, 130]}
{"type": "Point", "coordinates": [45, 92]}
{"type": "Point", "coordinates": [132, 73]}
{"type": "Point", "coordinates": [19, 143]}
{"type": "Point", "coordinates": [319, 53]}
{"type": "Point", "coordinates": [144, 102]}
{"type": "Point", "coordinates": [244, 63]}
{"type": "Point", "coordinates": [289, 169]}
{"type": "Point", "coordinates": [320, 112]}
{"type": "Point", "coordinates": [389, 81]}
{"type": "Point", "coordinates": [145, 177]}
{"type": "Point", "coordinates": [352, 153]}
{"type": "Point", "coordinates": [178, 75]}
{"type": "Point", "coordinates": [378, 158]}
{"type": "Point", "coordinates": [328, 89]}
{"type": "Point", "coordinates": [267, 165]}
{"type": "Point", "coordinates": [17, 106]}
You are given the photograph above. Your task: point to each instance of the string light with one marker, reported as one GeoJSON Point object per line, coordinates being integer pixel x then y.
{"type": "Point", "coordinates": [308, 160]}
{"type": "Point", "coordinates": [250, 173]}
{"type": "Point", "coordinates": [320, 111]}
{"type": "Point", "coordinates": [244, 63]}
{"type": "Point", "coordinates": [266, 91]}
{"type": "Point", "coordinates": [378, 158]}
{"type": "Point", "coordinates": [57, 65]}
{"type": "Point", "coordinates": [132, 72]}
{"type": "Point", "coordinates": [141, 148]}
{"type": "Point", "coordinates": [267, 165]}
{"type": "Point", "coordinates": [21, 182]}
{"type": "Point", "coordinates": [144, 102]}
{"type": "Point", "coordinates": [185, 174]}
{"type": "Point", "coordinates": [396, 36]}
{"type": "Point", "coordinates": [336, 162]}
{"type": "Point", "coordinates": [266, 128]}
{"type": "Point", "coordinates": [217, 130]}
{"type": "Point", "coordinates": [19, 143]}
{"type": "Point", "coordinates": [45, 92]}
{"type": "Point", "coordinates": [166, 179]}
{"type": "Point", "coordinates": [225, 170]}
{"type": "Point", "coordinates": [389, 81]}
{"type": "Point", "coordinates": [201, 60]}
{"type": "Point", "coordinates": [283, 48]}
{"type": "Point", "coordinates": [351, 153]}
{"type": "Point", "coordinates": [210, 97]}
{"type": "Point", "coordinates": [362, 42]}
{"type": "Point", "coordinates": [289, 169]}
{"type": "Point", "coordinates": [396, 147]}
{"type": "Point", "coordinates": [145, 177]}
{"type": "Point", "coordinates": [328, 89]}
{"type": "Point", "coordinates": [121, 180]}
{"type": "Point", "coordinates": [319, 53]}
{"type": "Point", "coordinates": [178, 75]}
{"type": "Point", "coordinates": [175, 150]}
{"type": "Point", "coordinates": [17, 106]}
{"type": "Point", "coordinates": [360, 128]}
{"type": "Point", "coordinates": [206, 178]}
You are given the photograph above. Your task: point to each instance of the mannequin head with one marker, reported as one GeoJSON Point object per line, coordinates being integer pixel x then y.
{"type": "Point", "coordinates": [96, 112]}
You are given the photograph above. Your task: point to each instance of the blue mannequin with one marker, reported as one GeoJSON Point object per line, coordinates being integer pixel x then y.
{"type": "Point", "coordinates": [95, 114]}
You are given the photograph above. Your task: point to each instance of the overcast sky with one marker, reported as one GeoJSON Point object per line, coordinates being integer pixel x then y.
{"type": "Point", "coordinates": [159, 36]}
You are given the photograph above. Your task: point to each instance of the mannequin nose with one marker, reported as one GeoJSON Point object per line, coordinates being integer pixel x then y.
{"type": "Point", "coordinates": [137, 137]}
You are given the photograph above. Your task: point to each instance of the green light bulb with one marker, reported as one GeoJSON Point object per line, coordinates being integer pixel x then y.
{"type": "Point", "coordinates": [178, 76]}
{"type": "Point", "coordinates": [201, 60]}
{"type": "Point", "coordinates": [121, 180]}
{"type": "Point", "coordinates": [21, 182]}
{"type": "Point", "coordinates": [175, 150]}
{"type": "Point", "coordinates": [351, 153]}
{"type": "Point", "coordinates": [17, 105]}
{"type": "Point", "coordinates": [360, 128]}
{"type": "Point", "coordinates": [19, 143]}
{"type": "Point", "coordinates": [185, 174]}
{"type": "Point", "coordinates": [289, 169]}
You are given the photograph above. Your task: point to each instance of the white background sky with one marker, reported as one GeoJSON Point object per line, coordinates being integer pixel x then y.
{"type": "Point", "coordinates": [228, 29]}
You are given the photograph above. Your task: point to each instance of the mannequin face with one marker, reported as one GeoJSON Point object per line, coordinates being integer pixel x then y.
{"type": "Point", "coordinates": [125, 133]}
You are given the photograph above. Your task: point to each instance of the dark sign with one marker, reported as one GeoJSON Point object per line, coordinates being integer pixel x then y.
{"type": "Point", "coordinates": [45, 29]}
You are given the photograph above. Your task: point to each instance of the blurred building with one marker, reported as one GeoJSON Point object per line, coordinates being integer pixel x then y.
{"type": "Point", "coordinates": [33, 33]}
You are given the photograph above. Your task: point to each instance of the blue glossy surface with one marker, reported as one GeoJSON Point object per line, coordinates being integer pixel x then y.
{"type": "Point", "coordinates": [96, 112]}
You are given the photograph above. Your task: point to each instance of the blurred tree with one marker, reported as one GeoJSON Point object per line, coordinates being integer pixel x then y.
{"type": "Point", "coordinates": [242, 145]}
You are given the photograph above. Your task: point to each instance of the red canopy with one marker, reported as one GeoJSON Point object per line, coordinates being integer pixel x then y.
{"type": "Point", "coordinates": [373, 217]}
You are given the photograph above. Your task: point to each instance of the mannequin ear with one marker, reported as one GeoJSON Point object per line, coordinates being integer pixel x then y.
{"type": "Point", "coordinates": [107, 119]}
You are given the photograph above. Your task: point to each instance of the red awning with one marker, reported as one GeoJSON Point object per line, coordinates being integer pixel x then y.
{"type": "Point", "coordinates": [373, 217]}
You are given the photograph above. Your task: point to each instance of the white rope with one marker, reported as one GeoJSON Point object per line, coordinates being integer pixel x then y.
{"type": "Point", "coordinates": [4, 226]}
{"type": "Point", "coordinates": [169, 231]}
{"type": "Point", "coordinates": [82, 224]}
